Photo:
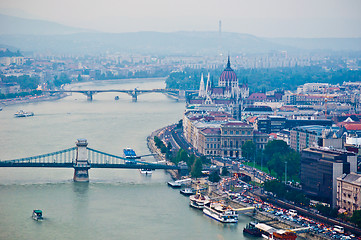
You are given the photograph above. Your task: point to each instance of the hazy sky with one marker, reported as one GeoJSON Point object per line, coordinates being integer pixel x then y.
{"type": "Point", "coordinates": [267, 18]}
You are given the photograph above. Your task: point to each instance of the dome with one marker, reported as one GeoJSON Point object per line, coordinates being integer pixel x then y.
{"type": "Point", "coordinates": [228, 77]}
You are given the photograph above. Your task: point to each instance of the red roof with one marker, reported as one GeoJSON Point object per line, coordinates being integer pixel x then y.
{"type": "Point", "coordinates": [252, 119]}
{"type": "Point", "coordinates": [213, 131]}
{"type": "Point", "coordinates": [352, 126]}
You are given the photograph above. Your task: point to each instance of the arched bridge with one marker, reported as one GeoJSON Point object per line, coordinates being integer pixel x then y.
{"type": "Point", "coordinates": [82, 158]}
{"type": "Point", "coordinates": [132, 92]}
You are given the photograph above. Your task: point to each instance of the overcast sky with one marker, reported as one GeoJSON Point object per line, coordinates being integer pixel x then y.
{"type": "Point", "coordinates": [265, 18]}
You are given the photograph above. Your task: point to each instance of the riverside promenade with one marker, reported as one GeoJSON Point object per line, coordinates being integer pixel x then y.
{"type": "Point", "coordinates": [259, 216]}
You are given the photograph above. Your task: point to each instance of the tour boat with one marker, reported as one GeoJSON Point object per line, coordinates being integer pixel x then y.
{"type": "Point", "coordinates": [221, 213]}
{"type": "Point", "coordinates": [22, 113]}
{"type": "Point", "coordinates": [198, 200]}
{"type": "Point", "coordinates": [37, 215]}
{"type": "Point", "coordinates": [146, 171]}
{"type": "Point", "coordinates": [129, 154]}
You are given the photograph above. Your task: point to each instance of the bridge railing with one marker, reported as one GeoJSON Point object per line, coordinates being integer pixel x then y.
{"type": "Point", "coordinates": [62, 156]}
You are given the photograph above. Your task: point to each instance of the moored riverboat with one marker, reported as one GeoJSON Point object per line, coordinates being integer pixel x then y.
{"type": "Point", "coordinates": [198, 200]}
{"type": "Point", "coordinates": [251, 229]}
{"type": "Point", "coordinates": [220, 212]}
{"type": "Point", "coordinates": [187, 191]}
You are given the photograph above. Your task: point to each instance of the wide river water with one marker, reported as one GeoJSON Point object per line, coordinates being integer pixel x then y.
{"type": "Point", "coordinates": [116, 203]}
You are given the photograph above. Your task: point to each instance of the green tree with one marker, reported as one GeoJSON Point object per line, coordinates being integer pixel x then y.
{"type": "Point", "coordinates": [196, 168]}
{"type": "Point", "coordinates": [277, 164]}
{"type": "Point", "coordinates": [181, 156]}
{"type": "Point", "coordinates": [224, 171]}
{"type": "Point", "coordinates": [190, 160]}
{"type": "Point", "coordinates": [249, 150]}
{"type": "Point", "coordinates": [275, 146]}
{"type": "Point", "coordinates": [356, 218]}
{"type": "Point", "coordinates": [214, 177]}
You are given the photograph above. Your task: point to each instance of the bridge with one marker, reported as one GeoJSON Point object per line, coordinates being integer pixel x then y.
{"type": "Point", "coordinates": [82, 158]}
{"type": "Point", "coordinates": [134, 93]}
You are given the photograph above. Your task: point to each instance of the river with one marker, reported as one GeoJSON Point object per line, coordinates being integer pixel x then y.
{"type": "Point", "coordinates": [116, 203]}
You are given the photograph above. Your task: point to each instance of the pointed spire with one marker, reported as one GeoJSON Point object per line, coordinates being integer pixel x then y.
{"type": "Point", "coordinates": [228, 63]}
{"type": "Point", "coordinates": [201, 92]}
{"type": "Point", "coordinates": [208, 85]}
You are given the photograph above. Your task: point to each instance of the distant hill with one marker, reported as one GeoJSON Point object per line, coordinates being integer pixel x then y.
{"type": "Point", "coordinates": [17, 25]}
{"type": "Point", "coordinates": [143, 42]}
{"type": "Point", "coordinates": [48, 37]}
{"type": "Point", "coordinates": [335, 44]}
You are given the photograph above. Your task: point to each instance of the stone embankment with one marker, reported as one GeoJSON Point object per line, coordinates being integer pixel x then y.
{"type": "Point", "coordinates": [158, 155]}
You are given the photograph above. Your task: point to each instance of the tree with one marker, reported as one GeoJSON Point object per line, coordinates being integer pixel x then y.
{"type": "Point", "coordinates": [214, 177]}
{"type": "Point", "coordinates": [249, 150]}
{"type": "Point", "coordinates": [190, 160]}
{"type": "Point", "coordinates": [356, 218]}
{"type": "Point", "coordinates": [196, 168]}
{"type": "Point", "coordinates": [277, 164]}
{"type": "Point", "coordinates": [224, 171]}
{"type": "Point", "coordinates": [182, 156]}
{"type": "Point", "coordinates": [275, 146]}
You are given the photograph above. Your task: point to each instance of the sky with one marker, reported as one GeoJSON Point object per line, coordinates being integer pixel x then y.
{"type": "Point", "coordinates": [263, 18]}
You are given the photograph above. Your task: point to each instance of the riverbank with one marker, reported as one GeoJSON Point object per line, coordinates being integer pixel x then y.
{"type": "Point", "coordinates": [32, 99]}
{"type": "Point", "coordinates": [158, 155]}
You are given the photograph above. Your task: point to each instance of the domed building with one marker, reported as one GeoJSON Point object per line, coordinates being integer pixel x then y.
{"type": "Point", "coordinates": [228, 77]}
{"type": "Point", "coordinates": [227, 92]}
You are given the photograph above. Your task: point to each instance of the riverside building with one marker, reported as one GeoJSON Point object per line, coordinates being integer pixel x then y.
{"type": "Point", "coordinates": [320, 168]}
{"type": "Point", "coordinates": [349, 192]}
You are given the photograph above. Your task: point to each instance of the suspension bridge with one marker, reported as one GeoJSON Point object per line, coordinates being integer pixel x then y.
{"type": "Point", "coordinates": [82, 158]}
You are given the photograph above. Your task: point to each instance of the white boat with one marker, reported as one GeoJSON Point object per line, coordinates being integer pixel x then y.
{"type": "Point", "coordinates": [187, 191]}
{"type": "Point", "coordinates": [37, 215]}
{"type": "Point", "coordinates": [174, 184]}
{"type": "Point", "coordinates": [22, 113]}
{"type": "Point", "coordinates": [220, 212]}
{"type": "Point", "coordinates": [146, 171]}
{"type": "Point", "coordinates": [198, 200]}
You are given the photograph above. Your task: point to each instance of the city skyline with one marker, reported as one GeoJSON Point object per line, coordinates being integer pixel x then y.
{"type": "Point", "coordinates": [262, 18]}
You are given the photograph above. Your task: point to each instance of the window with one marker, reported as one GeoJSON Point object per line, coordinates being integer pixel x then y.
{"type": "Point", "coordinates": [231, 132]}
{"type": "Point", "coordinates": [225, 132]}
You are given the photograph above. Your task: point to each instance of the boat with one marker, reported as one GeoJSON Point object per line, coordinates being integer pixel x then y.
{"type": "Point", "coordinates": [174, 184]}
{"type": "Point", "coordinates": [37, 215]}
{"type": "Point", "coordinates": [220, 212]}
{"type": "Point", "coordinates": [146, 171]}
{"type": "Point", "coordinates": [129, 154]}
{"type": "Point", "coordinates": [198, 200]}
{"type": "Point", "coordinates": [271, 233]}
{"type": "Point", "coordinates": [251, 229]}
{"type": "Point", "coordinates": [187, 191]}
{"type": "Point", "coordinates": [22, 113]}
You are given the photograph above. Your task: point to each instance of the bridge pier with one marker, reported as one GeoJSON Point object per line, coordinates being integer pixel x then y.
{"type": "Point", "coordinates": [134, 95]}
{"type": "Point", "coordinates": [81, 165]}
{"type": "Point", "coordinates": [89, 95]}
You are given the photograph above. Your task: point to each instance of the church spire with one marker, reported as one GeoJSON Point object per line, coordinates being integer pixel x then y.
{"type": "Point", "coordinates": [228, 63]}
{"type": "Point", "coordinates": [201, 92]}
